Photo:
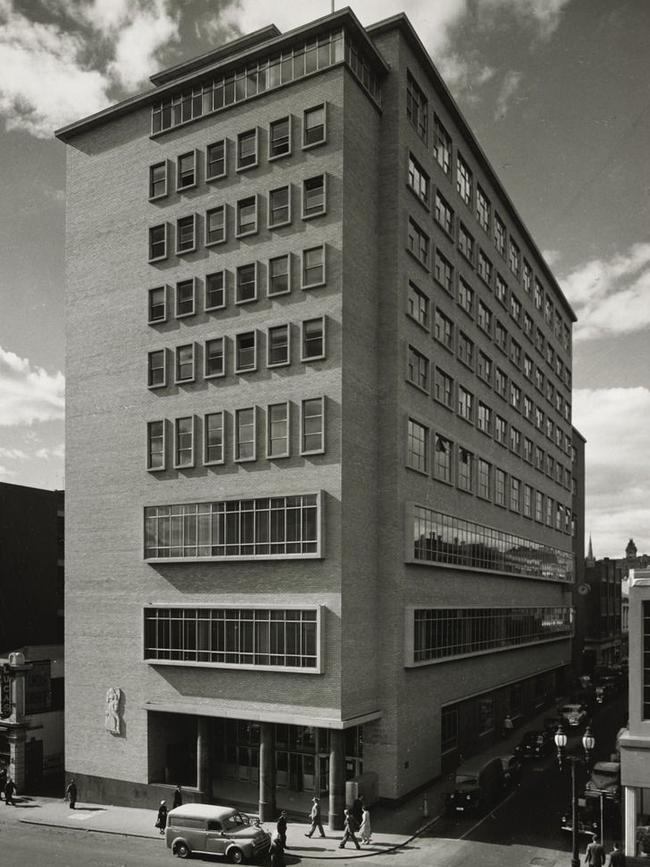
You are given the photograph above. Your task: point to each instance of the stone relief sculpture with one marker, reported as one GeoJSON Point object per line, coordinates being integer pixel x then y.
{"type": "Point", "coordinates": [112, 711]}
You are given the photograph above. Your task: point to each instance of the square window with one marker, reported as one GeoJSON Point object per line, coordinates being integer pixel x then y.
{"type": "Point", "coordinates": [156, 445]}
{"type": "Point", "coordinates": [158, 180]}
{"type": "Point", "coordinates": [279, 275]}
{"type": "Point", "coordinates": [186, 171]}
{"type": "Point", "coordinates": [186, 234]}
{"type": "Point", "coordinates": [156, 369]}
{"type": "Point", "coordinates": [277, 346]}
{"type": "Point", "coordinates": [213, 438]}
{"type": "Point", "coordinates": [313, 339]}
{"type": "Point", "coordinates": [215, 290]}
{"type": "Point", "coordinates": [247, 149]}
{"type": "Point", "coordinates": [280, 138]}
{"type": "Point", "coordinates": [214, 358]}
{"type": "Point", "coordinates": [313, 126]}
{"type": "Point", "coordinates": [313, 197]}
{"type": "Point", "coordinates": [215, 160]}
{"type": "Point", "coordinates": [158, 242]}
{"type": "Point", "coordinates": [245, 434]}
{"type": "Point", "coordinates": [157, 305]}
{"type": "Point", "coordinates": [246, 287]}
{"type": "Point", "coordinates": [279, 207]}
{"type": "Point", "coordinates": [184, 365]}
{"type": "Point", "coordinates": [185, 298]}
{"type": "Point", "coordinates": [215, 225]}
{"type": "Point", "coordinates": [184, 442]}
{"type": "Point", "coordinates": [277, 430]}
{"type": "Point", "coordinates": [247, 216]}
{"type": "Point", "coordinates": [312, 426]}
{"type": "Point", "coordinates": [313, 267]}
{"type": "Point", "coordinates": [245, 352]}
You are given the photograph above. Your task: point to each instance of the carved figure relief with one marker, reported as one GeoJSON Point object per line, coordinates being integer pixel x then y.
{"type": "Point", "coordinates": [112, 722]}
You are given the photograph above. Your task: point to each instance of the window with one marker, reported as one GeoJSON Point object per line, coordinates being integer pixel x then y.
{"type": "Point", "coordinates": [277, 430]}
{"type": "Point", "coordinates": [184, 442]}
{"type": "Point", "coordinates": [501, 336]}
{"type": "Point", "coordinates": [539, 379]}
{"type": "Point", "coordinates": [418, 369]}
{"type": "Point", "coordinates": [465, 243]}
{"type": "Point", "coordinates": [215, 290]}
{"type": "Point", "coordinates": [279, 207]}
{"type": "Point", "coordinates": [313, 126]}
{"type": "Point", "coordinates": [483, 479]}
{"type": "Point", "coordinates": [528, 367]}
{"type": "Point", "coordinates": [418, 243]}
{"type": "Point", "coordinates": [215, 225]}
{"type": "Point", "coordinates": [418, 305]}
{"type": "Point", "coordinates": [158, 180]}
{"type": "Point", "coordinates": [548, 310]}
{"type": "Point", "coordinates": [484, 318]}
{"type": "Point", "coordinates": [527, 278]}
{"type": "Point", "coordinates": [501, 383]}
{"type": "Point", "coordinates": [279, 138]}
{"type": "Point", "coordinates": [539, 459]}
{"type": "Point", "coordinates": [501, 290]}
{"type": "Point", "coordinates": [444, 388]}
{"type": "Point", "coordinates": [279, 282]}
{"type": "Point", "coordinates": [500, 429]}
{"type": "Point", "coordinates": [465, 404]}
{"type": "Point", "coordinates": [418, 180]}
{"type": "Point", "coordinates": [186, 171]}
{"type": "Point", "coordinates": [442, 449]}
{"type": "Point", "coordinates": [215, 160]}
{"type": "Point", "coordinates": [549, 512]}
{"type": "Point", "coordinates": [515, 307]}
{"type": "Point", "coordinates": [464, 470]}
{"type": "Point", "coordinates": [184, 364]}
{"type": "Point", "coordinates": [186, 234]}
{"type": "Point", "coordinates": [515, 396]}
{"type": "Point", "coordinates": [515, 440]}
{"type": "Point", "coordinates": [528, 326]}
{"type": "Point", "coordinates": [312, 426]}
{"type": "Point", "coordinates": [213, 438]}
{"type": "Point", "coordinates": [417, 107]}
{"type": "Point", "coordinates": [158, 242]}
{"type": "Point", "coordinates": [157, 374]}
{"type": "Point", "coordinates": [463, 180]}
{"type": "Point", "coordinates": [157, 304]}
{"type": "Point", "coordinates": [514, 257]}
{"type": "Point", "coordinates": [214, 364]}
{"type": "Point", "coordinates": [313, 339]}
{"type": "Point", "coordinates": [539, 507]}
{"type": "Point", "coordinates": [443, 329]}
{"type": "Point", "coordinates": [245, 434]}
{"type": "Point", "coordinates": [484, 268]}
{"type": "Point", "coordinates": [185, 298]}
{"type": "Point", "coordinates": [465, 296]}
{"type": "Point", "coordinates": [528, 502]}
{"type": "Point", "coordinates": [313, 267]}
{"type": "Point", "coordinates": [500, 488]}
{"type": "Point", "coordinates": [156, 445]}
{"type": "Point", "coordinates": [418, 446]}
{"type": "Point", "coordinates": [484, 368]}
{"type": "Point", "coordinates": [262, 527]}
{"type": "Point", "coordinates": [465, 350]}
{"type": "Point", "coordinates": [245, 352]}
{"type": "Point", "coordinates": [441, 145]}
{"type": "Point", "coordinates": [277, 346]}
{"type": "Point", "coordinates": [499, 234]}
{"type": "Point", "coordinates": [313, 197]}
{"type": "Point", "coordinates": [247, 149]}
{"type": "Point", "coordinates": [444, 214]}
{"type": "Point", "coordinates": [246, 216]}
{"type": "Point", "coordinates": [539, 294]}
{"type": "Point", "coordinates": [246, 285]}
{"type": "Point", "coordinates": [443, 272]}
{"type": "Point", "coordinates": [484, 418]}
{"type": "Point", "coordinates": [482, 209]}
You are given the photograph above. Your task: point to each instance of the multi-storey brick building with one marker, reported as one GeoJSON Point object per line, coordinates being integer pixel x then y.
{"type": "Point", "coordinates": [318, 428]}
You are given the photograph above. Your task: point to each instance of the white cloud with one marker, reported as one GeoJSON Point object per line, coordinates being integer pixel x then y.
{"type": "Point", "coordinates": [138, 41]}
{"type": "Point", "coordinates": [27, 393]}
{"type": "Point", "coordinates": [543, 15]}
{"type": "Point", "coordinates": [616, 424]}
{"type": "Point", "coordinates": [13, 454]}
{"type": "Point", "coordinates": [49, 453]}
{"type": "Point", "coordinates": [509, 87]}
{"type": "Point", "coordinates": [5, 472]}
{"type": "Point", "coordinates": [552, 257]}
{"type": "Point", "coordinates": [611, 296]}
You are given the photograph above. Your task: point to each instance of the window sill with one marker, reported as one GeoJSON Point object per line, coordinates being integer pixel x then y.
{"type": "Point", "coordinates": [312, 285]}
{"type": "Point", "coordinates": [185, 381]}
{"type": "Point", "coordinates": [185, 466]}
{"type": "Point", "coordinates": [419, 324]}
{"type": "Point", "coordinates": [186, 251]}
{"type": "Point", "coordinates": [271, 226]}
{"type": "Point", "coordinates": [247, 168]}
{"type": "Point", "coordinates": [424, 265]}
{"type": "Point", "coordinates": [214, 307]}
{"type": "Point", "coordinates": [424, 473]}
{"type": "Point", "coordinates": [156, 469]}
{"type": "Point", "coordinates": [278, 457]}
{"type": "Point", "coordinates": [158, 197]}
{"type": "Point", "coordinates": [240, 301]}
{"type": "Point", "coordinates": [273, 364]}
{"type": "Point", "coordinates": [247, 233]}
{"type": "Point", "coordinates": [214, 463]}
{"type": "Point", "coordinates": [275, 294]}
{"type": "Point", "coordinates": [187, 187]}
{"type": "Point", "coordinates": [242, 371]}
{"type": "Point", "coordinates": [313, 144]}
{"type": "Point", "coordinates": [214, 243]}
{"type": "Point", "coordinates": [185, 315]}
{"type": "Point", "coordinates": [418, 387]}
{"type": "Point", "coordinates": [272, 159]}
{"type": "Point", "coordinates": [158, 258]}
{"type": "Point", "coordinates": [306, 217]}
{"type": "Point", "coordinates": [312, 452]}
{"type": "Point", "coordinates": [216, 177]}
{"type": "Point", "coordinates": [214, 375]}
{"type": "Point", "coordinates": [157, 385]}
{"type": "Point", "coordinates": [307, 360]}
{"type": "Point", "coordinates": [157, 321]}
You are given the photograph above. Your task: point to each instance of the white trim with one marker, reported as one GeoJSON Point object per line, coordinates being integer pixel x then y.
{"type": "Point", "coordinates": [162, 384]}
{"type": "Point", "coordinates": [191, 249]}
{"type": "Point", "coordinates": [239, 300]}
{"type": "Point", "coordinates": [321, 141]}
{"type": "Point", "coordinates": [193, 310]}
{"type": "Point", "coordinates": [178, 381]}
{"type": "Point", "coordinates": [206, 462]}
{"type": "Point", "coordinates": [272, 364]}
{"type": "Point", "coordinates": [288, 117]}
{"type": "Point", "coordinates": [286, 291]}
{"type": "Point", "coordinates": [207, 375]}
{"type": "Point", "coordinates": [329, 718]}
{"type": "Point", "coordinates": [306, 359]}
{"type": "Point", "coordinates": [287, 452]}
{"type": "Point", "coordinates": [269, 212]}
{"type": "Point", "coordinates": [320, 450]}
{"type": "Point", "coordinates": [192, 463]}
{"type": "Point", "coordinates": [162, 468]}
{"type": "Point", "coordinates": [238, 233]}
{"type": "Point", "coordinates": [257, 150]}
{"type": "Point", "coordinates": [322, 282]}
{"type": "Point", "coordinates": [244, 370]}
{"type": "Point", "coordinates": [323, 210]}
{"type": "Point", "coordinates": [156, 198]}
{"type": "Point", "coordinates": [207, 307]}
{"type": "Point", "coordinates": [208, 211]}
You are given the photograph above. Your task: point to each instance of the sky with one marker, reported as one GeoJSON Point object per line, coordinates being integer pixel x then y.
{"type": "Point", "coordinates": [557, 93]}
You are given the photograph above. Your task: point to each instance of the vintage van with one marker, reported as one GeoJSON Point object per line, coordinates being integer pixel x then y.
{"type": "Point", "coordinates": [478, 783]}
{"type": "Point", "coordinates": [206, 829]}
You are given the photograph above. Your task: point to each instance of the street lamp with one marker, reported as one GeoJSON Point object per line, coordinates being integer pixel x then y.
{"type": "Point", "coordinates": [588, 744]}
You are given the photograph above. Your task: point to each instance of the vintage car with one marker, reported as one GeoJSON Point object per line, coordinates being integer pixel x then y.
{"type": "Point", "coordinates": [605, 780]}
{"type": "Point", "coordinates": [588, 815]}
{"type": "Point", "coordinates": [512, 770]}
{"type": "Point", "coordinates": [535, 745]}
{"type": "Point", "coordinates": [210, 830]}
{"type": "Point", "coordinates": [478, 783]}
{"type": "Point", "coordinates": [573, 714]}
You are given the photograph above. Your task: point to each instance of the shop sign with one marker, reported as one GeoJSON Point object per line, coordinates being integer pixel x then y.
{"type": "Point", "coordinates": [5, 692]}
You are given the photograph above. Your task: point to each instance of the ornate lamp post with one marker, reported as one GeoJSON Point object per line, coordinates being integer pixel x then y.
{"type": "Point", "coordinates": [588, 744]}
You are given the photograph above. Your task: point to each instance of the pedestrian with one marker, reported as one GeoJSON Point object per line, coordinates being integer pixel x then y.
{"type": "Point", "coordinates": [616, 857]}
{"type": "Point", "coordinates": [365, 831]}
{"type": "Point", "coordinates": [357, 811]}
{"type": "Point", "coordinates": [349, 828]}
{"type": "Point", "coordinates": [595, 854]}
{"type": "Point", "coordinates": [508, 726]}
{"type": "Point", "coordinates": [71, 794]}
{"type": "Point", "coordinates": [3, 780]}
{"type": "Point", "coordinates": [277, 852]}
{"type": "Point", "coordinates": [178, 797]}
{"type": "Point", "coordinates": [10, 791]}
{"type": "Point", "coordinates": [281, 828]}
{"type": "Point", "coordinates": [315, 818]}
{"type": "Point", "coordinates": [161, 821]}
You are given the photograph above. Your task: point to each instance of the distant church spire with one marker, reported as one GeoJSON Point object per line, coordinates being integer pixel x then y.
{"type": "Point", "coordinates": [590, 560]}
{"type": "Point", "coordinates": [630, 550]}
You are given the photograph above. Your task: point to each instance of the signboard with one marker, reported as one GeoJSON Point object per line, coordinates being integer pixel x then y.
{"type": "Point", "coordinates": [5, 692]}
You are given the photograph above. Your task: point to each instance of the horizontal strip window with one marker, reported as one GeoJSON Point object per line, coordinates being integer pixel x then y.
{"type": "Point", "coordinates": [440, 538]}
{"type": "Point", "coordinates": [263, 527]}
{"type": "Point", "coordinates": [267, 74]}
{"type": "Point", "coordinates": [442, 633]}
{"type": "Point", "coordinates": [251, 637]}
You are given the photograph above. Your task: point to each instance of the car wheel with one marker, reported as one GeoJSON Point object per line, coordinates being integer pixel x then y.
{"type": "Point", "coordinates": [182, 850]}
{"type": "Point", "coordinates": [236, 855]}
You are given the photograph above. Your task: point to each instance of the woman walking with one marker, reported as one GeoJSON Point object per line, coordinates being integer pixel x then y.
{"type": "Point", "coordinates": [365, 831]}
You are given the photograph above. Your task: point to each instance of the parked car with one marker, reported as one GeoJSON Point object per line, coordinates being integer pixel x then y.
{"type": "Point", "coordinates": [605, 780]}
{"type": "Point", "coordinates": [573, 714]}
{"type": "Point", "coordinates": [512, 770]}
{"type": "Point", "coordinates": [535, 744]}
{"type": "Point", "coordinates": [588, 816]}
{"type": "Point", "coordinates": [210, 830]}
{"type": "Point", "coordinates": [477, 783]}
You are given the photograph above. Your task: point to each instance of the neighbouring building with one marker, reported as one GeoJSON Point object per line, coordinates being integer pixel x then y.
{"type": "Point", "coordinates": [319, 479]}
{"type": "Point", "coordinates": [31, 632]}
{"type": "Point", "coordinates": [580, 588]}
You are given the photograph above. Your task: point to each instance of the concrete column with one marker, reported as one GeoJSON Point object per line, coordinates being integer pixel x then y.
{"type": "Point", "coordinates": [631, 796]}
{"type": "Point", "coordinates": [337, 780]}
{"type": "Point", "coordinates": [267, 772]}
{"type": "Point", "coordinates": [203, 757]}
